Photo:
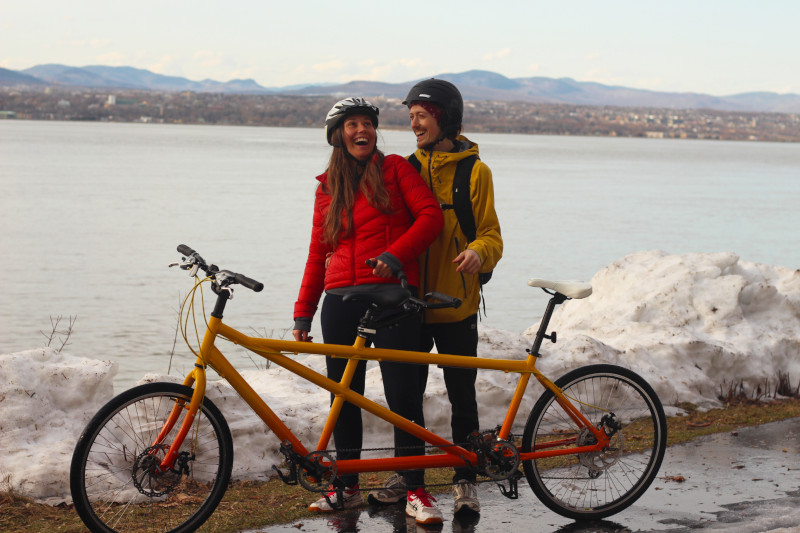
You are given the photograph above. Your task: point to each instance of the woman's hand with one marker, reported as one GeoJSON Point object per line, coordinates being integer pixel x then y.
{"type": "Point", "coordinates": [301, 335]}
{"type": "Point", "coordinates": [381, 269]}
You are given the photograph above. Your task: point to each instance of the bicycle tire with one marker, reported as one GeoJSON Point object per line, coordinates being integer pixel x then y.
{"type": "Point", "coordinates": [111, 488]}
{"type": "Point", "coordinates": [594, 486]}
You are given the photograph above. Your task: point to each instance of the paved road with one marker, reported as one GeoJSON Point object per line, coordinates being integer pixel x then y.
{"type": "Point", "coordinates": [746, 481]}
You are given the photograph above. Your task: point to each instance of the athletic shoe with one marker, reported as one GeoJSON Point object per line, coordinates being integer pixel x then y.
{"type": "Point", "coordinates": [351, 496]}
{"type": "Point", "coordinates": [465, 497]}
{"type": "Point", "coordinates": [393, 491]}
{"type": "Point", "coordinates": [420, 506]}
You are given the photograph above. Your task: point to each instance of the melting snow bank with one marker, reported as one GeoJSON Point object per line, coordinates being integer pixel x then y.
{"type": "Point", "coordinates": [689, 324]}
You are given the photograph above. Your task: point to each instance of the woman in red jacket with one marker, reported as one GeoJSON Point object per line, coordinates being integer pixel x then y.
{"type": "Point", "coordinates": [368, 206]}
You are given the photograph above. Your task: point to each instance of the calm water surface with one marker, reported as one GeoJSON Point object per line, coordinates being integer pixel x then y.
{"type": "Point", "coordinates": [91, 214]}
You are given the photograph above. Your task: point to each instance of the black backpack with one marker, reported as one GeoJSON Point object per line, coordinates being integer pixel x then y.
{"type": "Point", "coordinates": [462, 205]}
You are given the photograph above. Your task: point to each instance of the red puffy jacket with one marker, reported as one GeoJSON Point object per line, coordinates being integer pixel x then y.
{"type": "Point", "coordinates": [415, 221]}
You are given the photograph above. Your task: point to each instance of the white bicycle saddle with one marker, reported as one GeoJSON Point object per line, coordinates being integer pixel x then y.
{"type": "Point", "coordinates": [570, 289]}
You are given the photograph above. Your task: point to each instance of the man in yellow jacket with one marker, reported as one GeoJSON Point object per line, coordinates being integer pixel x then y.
{"type": "Point", "coordinates": [452, 264]}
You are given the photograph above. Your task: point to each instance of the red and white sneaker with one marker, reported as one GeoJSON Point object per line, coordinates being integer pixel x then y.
{"type": "Point", "coordinates": [420, 505]}
{"type": "Point", "coordinates": [351, 497]}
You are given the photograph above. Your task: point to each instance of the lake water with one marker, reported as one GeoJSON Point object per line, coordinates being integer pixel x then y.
{"type": "Point", "coordinates": [91, 214]}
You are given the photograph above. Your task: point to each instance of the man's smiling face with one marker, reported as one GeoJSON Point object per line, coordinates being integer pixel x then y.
{"type": "Point", "coordinates": [424, 125]}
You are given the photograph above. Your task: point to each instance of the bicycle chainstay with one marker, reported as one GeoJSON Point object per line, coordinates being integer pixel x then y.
{"type": "Point", "coordinates": [478, 441]}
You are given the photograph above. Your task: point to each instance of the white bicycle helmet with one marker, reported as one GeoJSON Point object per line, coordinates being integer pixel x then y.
{"type": "Point", "coordinates": [346, 107]}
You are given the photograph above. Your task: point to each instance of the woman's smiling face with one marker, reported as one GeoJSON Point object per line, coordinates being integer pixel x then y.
{"type": "Point", "coordinates": [359, 136]}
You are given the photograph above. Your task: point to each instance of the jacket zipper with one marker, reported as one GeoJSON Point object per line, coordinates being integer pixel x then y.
{"type": "Point", "coordinates": [463, 280]}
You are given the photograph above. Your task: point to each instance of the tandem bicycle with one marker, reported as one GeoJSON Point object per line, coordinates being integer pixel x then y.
{"type": "Point", "coordinates": [159, 456]}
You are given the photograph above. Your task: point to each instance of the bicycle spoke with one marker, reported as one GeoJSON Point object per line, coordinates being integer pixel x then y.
{"type": "Point", "coordinates": [597, 484]}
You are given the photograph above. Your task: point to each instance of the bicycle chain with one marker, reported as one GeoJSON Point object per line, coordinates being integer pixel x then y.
{"type": "Point", "coordinates": [426, 447]}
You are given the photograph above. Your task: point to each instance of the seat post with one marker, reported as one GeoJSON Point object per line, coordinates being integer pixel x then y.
{"type": "Point", "coordinates": [366, 326]}
{"type": "Point", "coordinates": [557, 299]}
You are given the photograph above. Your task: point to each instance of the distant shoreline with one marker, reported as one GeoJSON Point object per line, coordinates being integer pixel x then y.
{"type": "Point", "coordinates": [481, 116]}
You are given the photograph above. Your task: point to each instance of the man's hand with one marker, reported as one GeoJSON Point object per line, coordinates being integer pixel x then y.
{"type": "Point", "coordinates": [470, 262]}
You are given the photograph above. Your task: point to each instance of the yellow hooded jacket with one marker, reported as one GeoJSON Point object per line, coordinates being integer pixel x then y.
{"type": "Point", "coordinates": [437, 270]}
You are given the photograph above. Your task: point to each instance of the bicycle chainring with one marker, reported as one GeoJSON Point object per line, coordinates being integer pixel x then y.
{"type": "Point", "coordinates": [317, 471]}
{"type": "Point", "coordinates": [501, 461]}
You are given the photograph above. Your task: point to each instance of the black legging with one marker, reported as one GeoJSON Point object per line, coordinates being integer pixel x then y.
{"type": "Point", "coordinates": [401, 382]}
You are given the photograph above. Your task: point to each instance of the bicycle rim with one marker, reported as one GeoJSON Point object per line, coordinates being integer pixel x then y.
{"type": "Point", "coordinates": [593, 486]}
{"type": "Point", "coordinates": [113, 484]}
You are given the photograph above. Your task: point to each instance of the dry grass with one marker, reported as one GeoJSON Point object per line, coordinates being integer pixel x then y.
{"type": "Point", "coordinates": [251, 504]}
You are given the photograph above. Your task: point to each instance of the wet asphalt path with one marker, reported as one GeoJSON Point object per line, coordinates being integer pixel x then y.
{"type": "Point", "coordinates": [746, 481]}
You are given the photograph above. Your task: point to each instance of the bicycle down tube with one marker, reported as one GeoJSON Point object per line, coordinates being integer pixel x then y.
{"type": "Point", "coordinates": [274, 350]}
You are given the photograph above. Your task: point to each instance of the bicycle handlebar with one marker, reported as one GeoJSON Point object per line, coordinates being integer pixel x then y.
{"type": "Point", "coordinates": [445, 300]}
{"type": "Point", "coordinates": [222, 277]}
{"type": "Point", "coordinates": [250, 283]}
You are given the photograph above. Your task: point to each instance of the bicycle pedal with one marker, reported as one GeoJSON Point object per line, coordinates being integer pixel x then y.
{"type": "Point", "coordinates": [512, 492]}
{"type": "Point", "coordinates": [289, 478]}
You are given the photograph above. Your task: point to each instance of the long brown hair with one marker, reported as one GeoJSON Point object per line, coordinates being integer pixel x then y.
{"type": "Point", "coordinates": [345, 178]}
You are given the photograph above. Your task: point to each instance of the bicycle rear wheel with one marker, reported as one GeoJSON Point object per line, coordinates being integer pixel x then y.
{"type": "Point", "coordinates": [112, 478]}
{"type": "Point", "coordinates": [596, 485]}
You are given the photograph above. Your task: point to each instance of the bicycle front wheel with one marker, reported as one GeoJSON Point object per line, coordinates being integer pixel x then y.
{"type": "Point", "coordinates": [115, 484]}
{"type": "Point", "coordinates": [591, 486]}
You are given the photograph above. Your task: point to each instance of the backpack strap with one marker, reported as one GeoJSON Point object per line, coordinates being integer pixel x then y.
{"type": "Point", "coordinates": [462, 204]}
{"type": "Point", "coordinates": [415, 162]}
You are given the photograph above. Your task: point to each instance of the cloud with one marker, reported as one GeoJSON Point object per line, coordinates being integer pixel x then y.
{"type": "Point", "coordinates": [601, 75]}
{"type": "Point", "coordinates": [82, 43]}
{"type": "Point", "coordinates": [593, 56]}
{"type": "Point", "coordinates": [652, 83]}
{"type": "Point", "coordinates": [332, 65]}
{"type": "Point", "coordinates": [501, 54]}
{"type": "Point", "coordinates": [244, 74]}
{"type": "Point", "coordinates": [166, 64]}
{"type": "Point", "coordinates": [113, 59]}
{"type": "Point", "coordinates": [410, 63]}
{"type": "Point", "coordinates": [207, 58]}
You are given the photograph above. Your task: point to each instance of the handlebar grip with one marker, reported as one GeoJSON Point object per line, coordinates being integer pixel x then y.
{"type": "Point", "coordinates": [400, 275]}
{"type": "Point", "coordinates": [251, 284]}
{"type": "Point", "coordinates": [450, 301]}
{"type": "Point", "coordinates": [185, 250]}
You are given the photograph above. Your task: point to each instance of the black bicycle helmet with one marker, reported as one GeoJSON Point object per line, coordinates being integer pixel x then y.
{"type": "Point", "coordinates": [446, 96]}
{"type": "Point", "coordinates": [345, 108]}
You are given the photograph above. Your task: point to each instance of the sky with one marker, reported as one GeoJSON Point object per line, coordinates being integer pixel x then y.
{"type": "Point", "coordinates": [714, 47]}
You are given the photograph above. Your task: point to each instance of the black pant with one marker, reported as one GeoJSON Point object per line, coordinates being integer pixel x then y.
{"type": "Point", "coordinates": [457, 338]}
{"type": "Point", "coordinates": [401, 382]}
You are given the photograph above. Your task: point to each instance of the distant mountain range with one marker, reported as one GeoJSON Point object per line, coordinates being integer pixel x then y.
{"type": "Point", "coordinates": [474, 85]}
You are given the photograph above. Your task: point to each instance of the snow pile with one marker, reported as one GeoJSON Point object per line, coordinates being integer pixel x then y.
{"type": "Point", "coordinates": [688, 323]}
